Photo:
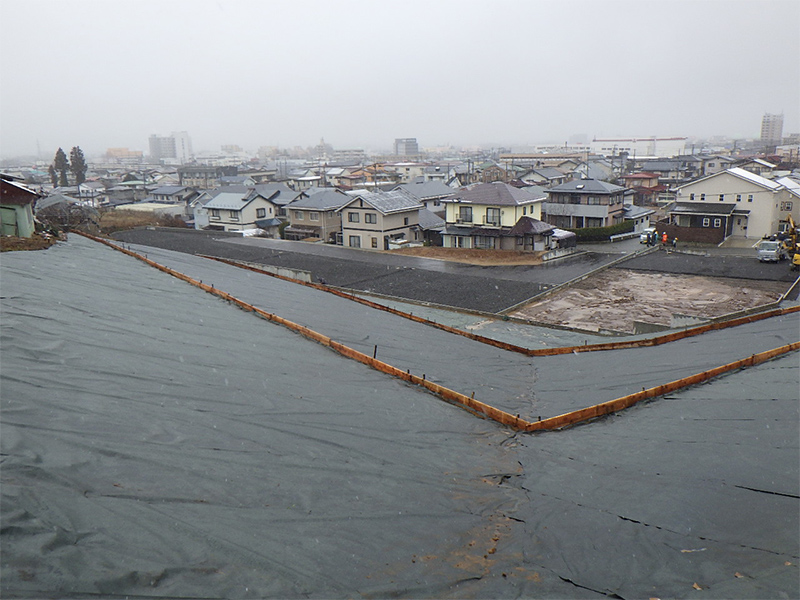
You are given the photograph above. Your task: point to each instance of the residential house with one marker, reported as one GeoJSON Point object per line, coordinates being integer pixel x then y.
{"type": "Point", "coordinates": [314, 213]}
{"type": "Point", "coordinates": [734, 203]}
{"type": "Point", "coordinates": [429, 193]}
{"type": "Point", "coordinates": [717, 163]}
{"type": "Point", "coordinates": [406, 171]}
{"type": "Point", "coordinates": [758, 166]}
{"type": "Point", "coordinates": [646, 188]}
{"type": "Point", "coordinates": [377, 219]}
{"type": "Point", "coordinates": [237, 208]}
{"type": "Point", "coordinates": [671, 171]}
{"type": "Point", "coordinates": [303, 179]}
{"type": "Point", "coordinates": [204, 177]}
{"type": "Point", "coordinates": [586, 203]}
{"type": "Point", "coordinates": [484, 215]}
{"type": "Point", "coordinates": [432, 227]}
{"type": "Point", "coordinates": [16, 207]}
{"type": "Point", "coordinates": [172, 194]}
{"type": "Point", "coordinates": [545, 176]}
{"type": "Point", "coordinates": [639, 215]}
{"type": "Point", "coordinates": [245, 180]}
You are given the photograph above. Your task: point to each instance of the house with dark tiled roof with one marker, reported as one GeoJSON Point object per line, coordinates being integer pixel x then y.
{"type": "Point", "coordinates": [586, 203]}
{"type": "Point", "coordinates": [314, 213]}
{"type": "Point", "coordinates": [429, 193]}
{"type": "Point", "coordinates": [545, 176]}
{"type": "Point", "coordinates": [484, 215]}
{"type": "Point", "coordinates": [378, 219]}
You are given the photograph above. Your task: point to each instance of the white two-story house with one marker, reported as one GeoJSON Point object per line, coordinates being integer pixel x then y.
{"type": "Point", "coordinates": [237, 208]}
{"type": "Point", "coordinates": [735, 203]}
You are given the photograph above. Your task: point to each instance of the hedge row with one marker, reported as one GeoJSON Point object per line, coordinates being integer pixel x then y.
{"type": "Point", "coordinates": [602, 234]}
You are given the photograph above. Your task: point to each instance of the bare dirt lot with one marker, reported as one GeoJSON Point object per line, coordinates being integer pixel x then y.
{"type": "Point", "coordinates": [614, 299]}
{"type": "Point", "coordinates": [35, 242]}
{"type": "Point", "coordinates": [474, 256]}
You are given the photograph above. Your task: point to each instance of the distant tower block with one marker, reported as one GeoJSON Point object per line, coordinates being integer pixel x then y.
{"type": "Point", "coordinates": [406, 147]}
{"type": "Point", "coordinates": [772, 130]}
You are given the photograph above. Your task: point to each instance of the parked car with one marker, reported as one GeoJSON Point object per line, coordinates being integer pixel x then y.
{"type": "Point", "coordinates": [645, 233]}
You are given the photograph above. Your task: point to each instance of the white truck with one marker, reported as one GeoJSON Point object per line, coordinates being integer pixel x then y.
{"type": "Point", "coordinates": [771, 251]}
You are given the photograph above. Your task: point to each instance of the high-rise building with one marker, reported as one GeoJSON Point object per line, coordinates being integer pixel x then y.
{"type": "Point", "coordinates": [406, 147]}
{"type": "Point", "coordinates": [162, 148]}
{"type": "Point", "coordinates": [772, 129]}
{"type": "Point", "coordinates": [183, 146]}
{"type": "Point", "coordinates": [174, 148]}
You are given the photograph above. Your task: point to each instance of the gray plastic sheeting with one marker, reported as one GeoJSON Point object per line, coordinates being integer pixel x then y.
{"type": "Point", "coordinates": [531, 387]}
{"type": "Point", "coordinates": [157, 442]}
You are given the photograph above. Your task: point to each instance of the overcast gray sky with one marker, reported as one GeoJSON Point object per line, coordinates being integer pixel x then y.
{"type": "Point", "coordinates": [360, 73]}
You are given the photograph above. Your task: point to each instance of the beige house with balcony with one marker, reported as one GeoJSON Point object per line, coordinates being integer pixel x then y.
{"type": "Point", "coordinates": [586, 203]}
{"type": "Point", "coordinates": [485, 215]}
{"type": "Point", "coordinates": [315, 214]}
{"type": "Point", "coordinates": [376, 220]}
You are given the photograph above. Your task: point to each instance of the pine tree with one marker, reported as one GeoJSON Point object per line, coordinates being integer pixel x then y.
{"type": "Point", "coordinates": [61, 165]}
{"type": "Point", "coordinates": [78, 165]}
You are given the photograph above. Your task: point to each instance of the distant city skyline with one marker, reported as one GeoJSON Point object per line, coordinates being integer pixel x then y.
{"type": "Point", "coordinates": [362, 74]}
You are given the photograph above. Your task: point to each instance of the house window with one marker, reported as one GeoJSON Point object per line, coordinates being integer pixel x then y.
{"type": "Point", "coordinates": [374, 242]}
{"type": "Point", "coordinates": [493, 216]}
{"type": "Point", "coordinates": [459, 242]}
{"type": "Point", "coordinates": [405, 220]}
{"type": "Point", "coordinates": [215, 213]}
{"type": "Point", "coordinates": [355, 240]}
{"type": "Point", "coordinates": [370, 218]}
{"type": "Point", "coordinates": [702, 197]}
{"type": "Point", "coordinates": [261, 213]}
{"type": "Point", "coordinates": [298, 215]}
{"type": "Point", "coordinates": [691, 197]}
{"type": "Point", "coordinates": [524, 210]}
{"type": "Point", "coordinates": [313, 216]}
{"type": "Point", "coordinates": [749, 197]}
{"type": "Point", "coordinates": [738, 197]}
{"type": "Point", "coordinates": [593, 200]}
{"type": "Point", "coordinates": [706, 221]}
{"type": "Point", "coordinates": [465, 214]}
{"type": "Point", "coordinates": [234, 215]}
{"type": "Point", "coordinates": [722, 197]}
{"type": "Point", "coordinates": [717, 222]}
{"type": "Point", "coordinates": [786, 206]}
{"type": "Point", "coordinates": [352, 217]}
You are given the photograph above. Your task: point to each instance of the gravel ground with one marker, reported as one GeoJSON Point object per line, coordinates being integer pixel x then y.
{"type": "Point", "coordinates": [488, 289]}
{"type": "Point", "coordinates": [470, 287]}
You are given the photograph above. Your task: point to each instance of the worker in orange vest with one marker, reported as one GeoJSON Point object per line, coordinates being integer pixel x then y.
{"type": "Point", "coordinates": [664, 238]}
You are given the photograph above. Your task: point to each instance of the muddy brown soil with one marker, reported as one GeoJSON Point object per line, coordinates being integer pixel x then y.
{"type": "Point", "coordinates": [474, 256]}
{"type": "Point", "coordinates": [615, 298]}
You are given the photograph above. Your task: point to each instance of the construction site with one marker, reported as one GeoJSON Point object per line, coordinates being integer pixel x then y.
{"type": "Point", "coordinates": [196, 423]}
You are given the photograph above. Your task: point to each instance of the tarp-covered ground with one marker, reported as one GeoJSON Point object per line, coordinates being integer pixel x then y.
{"type": "Point", "coordinates": [159, 442]}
